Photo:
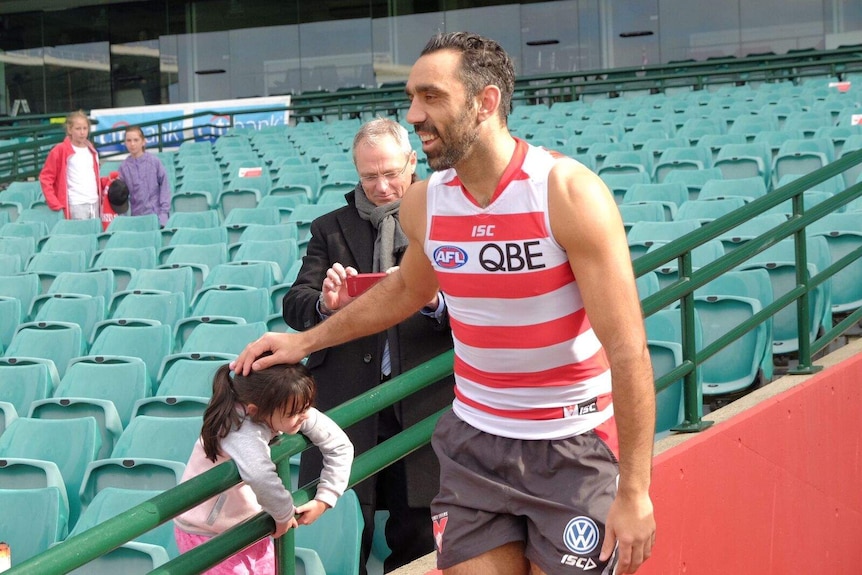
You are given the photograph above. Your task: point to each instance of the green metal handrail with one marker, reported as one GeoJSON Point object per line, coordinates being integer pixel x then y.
{"type": "Point", "coordinates": [84, 547]}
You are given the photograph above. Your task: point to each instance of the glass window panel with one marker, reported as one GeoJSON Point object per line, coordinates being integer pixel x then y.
{"type": "Point", "coordinates": [398, 41]}
{"type": "Point", "coordinates": [780, 25]}
{"type": "Point", "coordinates": [502, 23]}
{"type": "Point", "coordinates": [549, 32]}
{"type": "Point", "coordinates": [264, 61]}
{"type": "Point", "coordinates": [336, 54]}
{"type": "Point", "coordinates": [632, 33]}
{"type": "Point", "coordinates": [686, 34]}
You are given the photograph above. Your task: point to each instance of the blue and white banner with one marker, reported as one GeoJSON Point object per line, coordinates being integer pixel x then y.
{"type": "Point", "coordinates": [200, 128]}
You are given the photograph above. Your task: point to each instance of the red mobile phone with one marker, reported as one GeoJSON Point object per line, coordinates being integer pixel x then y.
{"type": "Point", "coordinates": [359, 283]}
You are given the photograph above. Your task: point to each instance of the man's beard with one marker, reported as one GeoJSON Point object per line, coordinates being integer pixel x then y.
{"type": "Point", "coordinates": [460, 139]}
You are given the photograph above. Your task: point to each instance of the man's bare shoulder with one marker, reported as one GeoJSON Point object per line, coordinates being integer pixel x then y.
{"type": "Point", "coordinates": [571, 181]}
{"type": "Point", "coordinates": [413, 207]}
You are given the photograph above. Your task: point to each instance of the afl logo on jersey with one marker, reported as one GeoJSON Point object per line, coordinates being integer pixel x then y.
{"type": "Point", "coordinates": [450, 257]}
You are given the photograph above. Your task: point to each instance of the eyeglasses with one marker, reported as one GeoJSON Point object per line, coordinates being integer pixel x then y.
{"type": "Point", "coordinates": [388, 176]}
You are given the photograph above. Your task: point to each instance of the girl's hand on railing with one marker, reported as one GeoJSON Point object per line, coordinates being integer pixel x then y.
{"type": "Point", "coordinates": [281, 528]}
{"type": "Point", "coordinates": [309, 512]}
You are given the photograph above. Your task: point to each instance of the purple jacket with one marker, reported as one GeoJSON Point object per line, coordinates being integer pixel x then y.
{"type": "Point", "coordinates": [149, 186]}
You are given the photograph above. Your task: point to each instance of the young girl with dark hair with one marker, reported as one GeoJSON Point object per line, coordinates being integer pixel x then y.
{"type": "Point", "coordinates": [243, 417]}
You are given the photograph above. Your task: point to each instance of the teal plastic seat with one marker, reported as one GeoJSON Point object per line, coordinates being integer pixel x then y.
{"type": "Point", "coordinates": [22, 246]}
{"type": "Point", "coordinates": [102, 410]}
{"type": "Point", "coordinates": [704, 211]}
{"type": "Point", "coordinates": [701, 255]}
{"type": "Point", "coordinates": [91, 227]}
{"type": "Point", "coordinates": [163, 306]}
{"type": "Point", "coordinates": [50, 264]}
{"type": "Point", "coordinates": [132, 557]}
{"type": "Point", "coordinates": [24, 380]}
{"type": "Point", "coordinates": [239, 218]}
{"type": "Point", "coordinates": [143, 223]}
{"type": "Point", "coordinates": [23, 287]}
{"type": "Point", "coordinates": [641, 212]}
{"type": "Point", "coordinates": [671, 196]}
{"type": "Point", "coordinates": [251, 304]}
{"type": "Point", "coordinates": [92, 283]}
{"type": "Point", "coordinates": [199, 236]}
{"type": "Point", "coordinates": [124, 261]}
{"type": "Point", "coordinates": [336, 536]}
{"type": "Point", "coordinates": [747, 188]}
{"type": "Point", "coordinates": [70, 243]}
{"type": "Point", "coordinates": [843, 234]}
{"type": "Point", "coordinates": [665, 356]}
{"type": "Point", "coordinates": [122, 380]}
{"type": "Point", "coordinates": [754, 284]}
{"type": "Point", "coordinates": [257, 274]}
{"type": "Point", "coordinates": [37, 439]}
{"type": "Point", "coordinates": [8, 414]}
{"type": "Point", "coordinates": [201, 258]}
{"type": "Point", "coordinates": [149, 437]}
{"type": "Point", "coordinates": [750, 229]}
{"type": "Point", "coordinates": [10, 265]}
{"type": "Point", "coordinates": [27, 538]}
{"type": "Point", "coordinates": [210, 337]}
{"type": "Point", "coordinates": [745, 160]}
{"type": "Point", "coordinates": [191, 201]}
{"type": "Point", "coordinates": [269, 232]}
{"type": "Point", "coordinates": [280, 253]}
{"type": "Point", "coordinates": [10, 317]}
{"type": "Point", "coordinates": [643, 235]}
{"type": "Point", "coordinates": [304, 214]}
{"type": "Point", "coordinates": [202, 219]}
{"type": "Point", "coordinates": [35, 230]}
{"type": "Point", "coordinates": [171, 406]}
{"type": "Point", "coordinates": [190, 374]}
{"type": "Point", "coordinates": [112, 501]}
{"type": "Point", "coordinates": [147, 339]}
{"type": "Point", "coordinates": [171, 279]}
{"type": "Point", "coordinates": [55, 340]}
{"type": "Point", "coordinates": [84, 310]}
{"type": "Point", "coordinates": [131, 239]}
{"type": "Point", "coordinates": [693, 180]}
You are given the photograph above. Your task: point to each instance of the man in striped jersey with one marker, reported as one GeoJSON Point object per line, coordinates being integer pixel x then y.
{"type": "Point", "coordinates": [545, 458]}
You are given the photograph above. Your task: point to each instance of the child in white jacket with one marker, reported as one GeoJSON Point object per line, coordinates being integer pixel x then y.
{"type": "Point", "coordinates": [243, 417]}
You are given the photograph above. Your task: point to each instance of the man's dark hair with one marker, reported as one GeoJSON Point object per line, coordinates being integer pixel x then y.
{"type": "Point", "coordinates": [483, 63]}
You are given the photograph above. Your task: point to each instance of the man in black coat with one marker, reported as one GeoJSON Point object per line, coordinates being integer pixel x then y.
{"type": "Point", "coordinates": [363, 237]}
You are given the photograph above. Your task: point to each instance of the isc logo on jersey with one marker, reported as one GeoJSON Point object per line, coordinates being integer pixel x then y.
{"type": "Point", "coordinates": [450, 257]}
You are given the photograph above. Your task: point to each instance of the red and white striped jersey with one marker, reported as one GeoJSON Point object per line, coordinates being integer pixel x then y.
{"type": "Point", "coordinates": [527, 363]}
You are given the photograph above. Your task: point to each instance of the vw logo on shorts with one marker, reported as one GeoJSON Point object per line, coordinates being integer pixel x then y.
{"type": "Point", "coordinates": [581, 535]}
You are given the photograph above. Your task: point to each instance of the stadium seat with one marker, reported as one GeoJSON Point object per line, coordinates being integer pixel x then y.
{"type": "Point", "coordinates": [50, 264]}
{"type": "Point", "coordinates": [54, 340]}
{"type": "Point", "coordinates": [669, 195]}
{"type": "Point", "coordinates": [31, 438]}
{"type": "Point", "coordinates": [843, 234]}
{"type": "Point", "coordinates": [211, 337]}
{"type": "Point", "coordinates": [171, 279]}
{"type": "Point", "coordinates": [304, 214]}
{"type": "Point", "coordinates": [693, 180]}
{"type": "Point", "coordinates": [102, 410]}
{"type": "Point", "coordinates": [236, 221]}
{"type": "Point", "coordinates": [745, 161]}
{"type": "Point", "coordinates": [281, 254]}
{"type": "Point", "coordinates": [84, 310]}
{"type": "Point", "coordinates": [802, 157]}
{"type": "Point", "coordinates": [10, 317]}
{"type": "Point", "coordinates": [163, 306]}
{"type": "Point", "coordinates": [167, 438]}
{"type": "Point", "coordinates": [27, 538]}
{"type": "Point", "coordinates": [134, 223]}
{"type": "Point", "coordinates": [641, 212]}
{"type": "Point", "coordinates": [200, 219]}
{"type": "Point", "coordinates": [171, 406]}
{"type": "Point", "coordinates": [704, 211]}
{"type": "Point", "coordinates": [747, 188]}
{"type": "Point", "coordinates": [750, 229]}
{"type": "Point", "coordinates": [23, 247]}
{"type": "Point", "coordinates": [643, 235]}
{"type": "Point", "coordinates": [191, 201]}
{"type": "Point", "coordinates": [336, 536]}
{"type": "Point", "coordinates": [251, 304]}
{"type": "Point", "coordinates": [250, 274]}
{"type": "Point", "coordinates": [23, 287]}
{"type": "Point", "coordinates": [689, 158]}
{"type": "Point", "coordinates": [701, 255]}
{"type": "Point", "coordinates": [92, 283]}
{"type": "Point", "coordinates": [121, 380]}
{"type": "Point", "coordinates": [8, 414]}
{"type": "Point", "coordinates": [131, 557]}
{"type": "Point", "coordinates": [91, 227]}
{"type": "Point", "coordinates": [35, 230]}
{"type": "Point", "coordinates": [200, 258]}
{"type": "Point", "coordinates": [25, 380]}
{"type": "Point", "coordinates": [199, 236]}
{"type": "Point", "coordinates": [190, 373]}
{"type": "Point", "coordinates": [147, 339]}
{"type": "Point", "coordinates": [754, 284]}
{"type": "Point", "coordinates": [131, 239]}
{"type": "Point", "coordinates": [10, 265]}
{"type": "Point", "coordinates": [123, 262]}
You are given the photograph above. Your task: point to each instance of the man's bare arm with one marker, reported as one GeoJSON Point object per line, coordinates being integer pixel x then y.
{"type": "Point", "coordinates": [387, 303]}
{"type": "Point", "coordinates": [586, 221]}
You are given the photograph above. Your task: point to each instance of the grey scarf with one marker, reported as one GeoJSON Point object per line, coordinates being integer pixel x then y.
{"type": "Point", "coordinates": [391, 240]}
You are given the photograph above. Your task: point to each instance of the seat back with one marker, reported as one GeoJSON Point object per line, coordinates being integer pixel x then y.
{"type": "Point", "coordinates": [251, 304]}
{"type": "Point", "coordinates": [150, 437]}
{"type": "Point", "coordinates": [44, 439]}
{"type": "Point", "coordinates": [163, 306]}
{"type": "Point", "coordinates": [54, 340]}
{"type": "Point", "coordinates": [190, 374]}
{"type": "Point", "coordinates": [336, 536]}
{"type": "Point", "coordinates": [84, 310]}
{"type": "Point", "coordinates": [27, 538]}
{"type": "Point", "coordinates": [24, 380]}
{"type": "Point", "coordinates": [146, 339]}
{"type": "Point", "coordinates": [119, 379]}
{"type": "Point", "coordinates": [222, 338]}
